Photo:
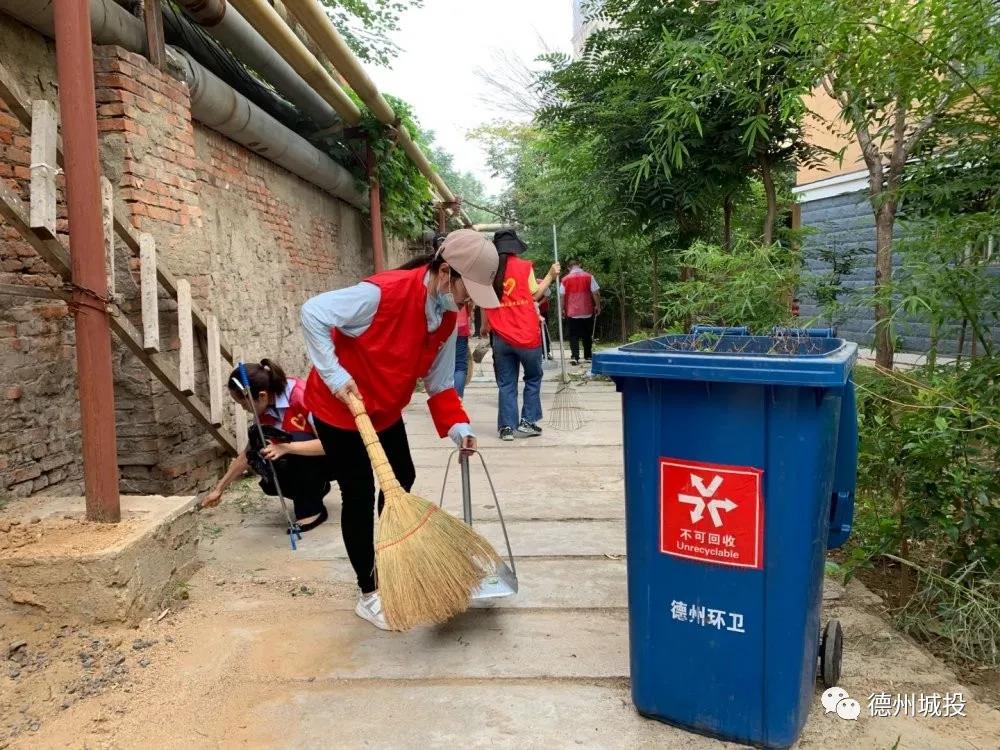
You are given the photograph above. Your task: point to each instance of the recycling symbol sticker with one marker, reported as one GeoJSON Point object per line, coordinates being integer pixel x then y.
{"type": "Point", "coordinates": [713, 513]}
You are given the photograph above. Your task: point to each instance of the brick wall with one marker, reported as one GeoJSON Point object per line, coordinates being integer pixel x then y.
{"type": "Point", "coordinates": [254, 241]}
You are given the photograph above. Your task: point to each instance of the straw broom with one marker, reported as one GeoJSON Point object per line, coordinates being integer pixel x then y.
{"type": "Point", "coordinates": [427, 562]}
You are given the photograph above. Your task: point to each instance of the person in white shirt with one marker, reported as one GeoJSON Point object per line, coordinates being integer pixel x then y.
{"type": "Point", "coordinates": [581, 301]}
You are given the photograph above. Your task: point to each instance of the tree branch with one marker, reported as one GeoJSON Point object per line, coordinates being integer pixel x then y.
{"type": "Point", "coordinates": [897, 159]}
{"type": "Point", "coordinates": [829, 88]}
{"type": "Point", "coordinates": [869, 151]}
{"type": "Point", "coordinates": [925, 124]}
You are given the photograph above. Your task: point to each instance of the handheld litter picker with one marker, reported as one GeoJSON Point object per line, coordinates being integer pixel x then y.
{"type": "Point", "coordinates": [294, 533]}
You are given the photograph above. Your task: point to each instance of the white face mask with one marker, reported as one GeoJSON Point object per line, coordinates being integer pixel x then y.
{"type": "Point", "coordinates": [446, 300]}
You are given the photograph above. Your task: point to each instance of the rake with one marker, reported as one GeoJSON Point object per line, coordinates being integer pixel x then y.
{"type": "Point", "coordinates": [566, 412]}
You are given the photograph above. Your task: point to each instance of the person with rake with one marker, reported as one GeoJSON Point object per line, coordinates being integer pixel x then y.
{"type": "Point", "coordinates": [369, 345]}
{"type": "Point", "coordinates": [292, 449]}
{"type": "Point", "coordinates": [516, 334]}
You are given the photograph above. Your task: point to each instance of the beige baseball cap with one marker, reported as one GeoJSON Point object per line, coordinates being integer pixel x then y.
{"type": "Point", "coordinates": [475, 257]}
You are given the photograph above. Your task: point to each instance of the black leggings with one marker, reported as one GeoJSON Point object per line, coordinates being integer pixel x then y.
{"type": "Point", "coordinates": [352, 470]}
{"type": "Point", "coordinates": [304, 480]}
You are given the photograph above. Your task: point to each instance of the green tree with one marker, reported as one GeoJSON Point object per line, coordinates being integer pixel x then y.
{"type": "Point", "coordinates": [366, 25]}
{"type": "Point", "coordinates": [740, 74]}
{"type": "Point", "coordinates": [464, 185]}
{"type": "Point", "coordinates": [898, 70]}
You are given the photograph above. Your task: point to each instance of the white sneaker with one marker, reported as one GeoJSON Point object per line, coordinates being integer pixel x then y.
{"type": "Point", "coordinates": [370, 608]}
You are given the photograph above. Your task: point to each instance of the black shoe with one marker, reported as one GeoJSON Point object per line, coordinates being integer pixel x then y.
{"type": "Point", "coordinates": [575, 362]}
{"type": "Point", "coordinates": [507, 434]}
{"type": "Point", "coordinates": [323, 516]}
{"type": "Point", "coordinates": [529, 428]}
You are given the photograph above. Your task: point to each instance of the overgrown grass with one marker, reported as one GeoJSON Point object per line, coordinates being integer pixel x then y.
{"type": "Point", "coordinates": [959, 613]}
{"type": "Point", "coordinates": [929, 502]}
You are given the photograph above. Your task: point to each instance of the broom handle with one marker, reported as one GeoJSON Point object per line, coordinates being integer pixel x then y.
{"type": "Point", "coordinates": [562, 346]}
{"type": "Point", "coordinates": [376, 454]}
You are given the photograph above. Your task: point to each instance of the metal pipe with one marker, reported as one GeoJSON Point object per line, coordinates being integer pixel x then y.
{"type": "Point", "coordinates": [375, 202]}
{"type": "Point", "coordinates": [109, 22]}
{"type": "Point", "coordinates": [222, 108]}
{"type": "Point", "coordinates": [205, 12]}
{"type": "Point", "coordinates": [227, 25]}
{"type": "Point", "coordinates": [95, 378]}
{"type": "Point", "coordinates": [318, 25]}
{"type": "Point", "coordinates": [266, 20]}
{"type": "Point", "coordinates": [256, 130]}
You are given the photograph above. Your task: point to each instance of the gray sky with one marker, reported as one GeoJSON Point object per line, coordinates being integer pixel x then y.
{"type": "Point", "coordinates": [443, 43]}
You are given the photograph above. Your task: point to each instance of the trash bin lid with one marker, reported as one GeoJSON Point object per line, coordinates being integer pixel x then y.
{"type": "Point", "coordinates": [765, 360]}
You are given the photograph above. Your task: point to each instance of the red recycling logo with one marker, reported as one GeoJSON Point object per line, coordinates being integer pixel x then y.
{"type": "Point", "coordinates": [712, 513]}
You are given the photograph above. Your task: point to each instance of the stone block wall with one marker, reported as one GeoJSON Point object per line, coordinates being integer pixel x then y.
{"type": "Point", "coordinates": [844, 223]}
{"type": "Point", "coordinates": [254, 241]}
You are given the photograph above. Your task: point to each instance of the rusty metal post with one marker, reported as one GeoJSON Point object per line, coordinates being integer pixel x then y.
{"type": "Point", "coordinates": [375, 200]}
{"type": "Point", "coordinates": [75, 69]}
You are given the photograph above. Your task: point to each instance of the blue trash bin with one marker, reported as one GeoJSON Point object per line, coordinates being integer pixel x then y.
{"type": "Point", "coordinates": [730, 450]}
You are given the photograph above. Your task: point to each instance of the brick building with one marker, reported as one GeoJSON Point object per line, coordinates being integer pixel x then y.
{"type": "Point", "coordinates": [254, 240]}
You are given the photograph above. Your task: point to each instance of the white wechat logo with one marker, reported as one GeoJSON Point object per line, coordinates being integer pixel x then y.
{"type": "Point", "coordinates": [849, 709]}
{"type": "Point", "coordinates": [836, 700]}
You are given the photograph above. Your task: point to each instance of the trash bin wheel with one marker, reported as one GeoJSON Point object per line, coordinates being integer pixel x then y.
{"type": "Point", "coordinates": [831, 652]}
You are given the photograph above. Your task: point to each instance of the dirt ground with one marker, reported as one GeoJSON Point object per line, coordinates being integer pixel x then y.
{"type": "Point", "coordinates": [261, 647]}
{"type": "Point", "coordinates": [22, 534]}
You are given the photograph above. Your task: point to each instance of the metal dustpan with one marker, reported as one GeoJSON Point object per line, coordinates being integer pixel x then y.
{"type": "Point", "coordinates": [501, 582]}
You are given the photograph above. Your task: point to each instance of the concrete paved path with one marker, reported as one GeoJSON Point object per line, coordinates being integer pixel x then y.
{"type": "Point", "coordinates": [268, 652]}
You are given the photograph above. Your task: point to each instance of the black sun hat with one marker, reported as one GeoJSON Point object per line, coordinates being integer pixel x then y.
{"type": "Point", "coordinates": [508, 243]}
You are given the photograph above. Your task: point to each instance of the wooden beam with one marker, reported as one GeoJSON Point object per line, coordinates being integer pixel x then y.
{"type": "Point", "coordinates": [14, 214]}
{"type": "Point", "coordinates": [108, 215]}
{"type": "Point", "coordinates": [152, 16]}
{"type": "Point", "coordinates": [44, 133]}
{"type": "Point", "coordinates": [165, 371]}
{"type": "Point", "coordinates": [215, 373]}
{"type": "Point", "coordinates": [13, 211]}
{"type": "Point", "coordinates": [185, 332]}
{"type": "Point", "coordinates": [150, 293]}
{"type": "Point", "coordinates": [14, 97]}
{"type": "Point", "coordinates": [240, 418]}
{"type": "Point", "coordinates": [37, 292]}
{"type": "Point", "coordinates": [19, 104]}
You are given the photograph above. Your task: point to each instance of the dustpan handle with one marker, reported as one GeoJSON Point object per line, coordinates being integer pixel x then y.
{"type": "Point", "coordinates": [463, 462]}
{"type": "Point", "coordinates": [467, 496]}
{"type": "Point", "coordinates": [387, 481]}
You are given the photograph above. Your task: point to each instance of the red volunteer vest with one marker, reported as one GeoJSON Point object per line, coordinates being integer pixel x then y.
{"type": "Point", "coordinates": [388, 358]}
{"type": "Point", "coordinates": [579, 298]}
{"type": "Point", "coordinates": [516, 320]}
{"type": "Point", "coordinates": [296, 417]}
{"type": "Point", "coordinates": [463, 320]}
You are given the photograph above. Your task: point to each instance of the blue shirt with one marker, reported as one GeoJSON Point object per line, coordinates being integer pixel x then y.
{"type": "Point", "coordinates": [351, 311]}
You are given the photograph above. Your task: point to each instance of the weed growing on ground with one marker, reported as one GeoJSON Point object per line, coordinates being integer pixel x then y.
{"type": "Point", "coordinates": [212, 531]}
{"type": "Point", "coordinates": [959, 613]}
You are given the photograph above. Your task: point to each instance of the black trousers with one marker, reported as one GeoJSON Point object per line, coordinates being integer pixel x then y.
{"type": "Point", "coordinates": [305, 480]}
{"type": "Point", "coordinates": [581, 329]}
{"type": "Point", "coordinates": [350, 467]}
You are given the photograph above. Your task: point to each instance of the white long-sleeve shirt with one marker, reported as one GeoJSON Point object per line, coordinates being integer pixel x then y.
{"type": "Point", "coordinates": [351, 311]}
